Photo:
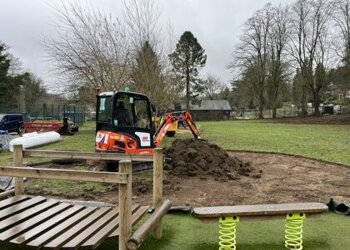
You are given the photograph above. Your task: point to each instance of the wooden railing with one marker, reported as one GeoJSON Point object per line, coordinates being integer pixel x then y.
{"type": "Point", "coordinates": [59, 174]}
{"type": "Point", "coordinates": [123, 178]}
{"type": "Point", "coordinates": [86, 155]}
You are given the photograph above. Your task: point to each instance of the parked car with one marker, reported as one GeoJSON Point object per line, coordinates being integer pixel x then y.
{"type": "Point", "coordinates": [11, 122]}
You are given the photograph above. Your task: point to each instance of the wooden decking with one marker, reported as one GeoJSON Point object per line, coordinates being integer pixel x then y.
{"type": "Point", "coordinates": [51, 224]}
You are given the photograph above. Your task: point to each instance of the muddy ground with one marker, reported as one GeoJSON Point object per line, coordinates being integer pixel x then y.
{"type": "Point", "coordinates": [284, 179]}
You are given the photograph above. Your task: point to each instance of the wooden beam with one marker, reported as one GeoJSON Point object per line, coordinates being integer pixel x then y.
{"type": "Point", "coordinates": [158, 161]}
{"type": "Point", "coordinates": [18, 162]}
{"type": "Point", "coordinates": [87, 155]}
{"type": "Point", "coordinates": [259, 209]}
{"type": "Point", "coordinates": [7, 194]}
{"type": "Point", "coordinates": [125, 211]}
{"type": "Point", "coordinates": [59, 174]}
{"type": "Point", "coordinates": [138, 237]}
{"type": "Point", "coordinates": [250, 218]}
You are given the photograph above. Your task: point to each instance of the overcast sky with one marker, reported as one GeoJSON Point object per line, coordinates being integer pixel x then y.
{"type": "Point", "coordinates": [216, 23]}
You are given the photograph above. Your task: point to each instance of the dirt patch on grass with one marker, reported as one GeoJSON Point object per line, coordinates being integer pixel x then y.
{"type": "Point", "coordinates": [326, 119]}
{"type": "Point", "coordinates": [284, 179]}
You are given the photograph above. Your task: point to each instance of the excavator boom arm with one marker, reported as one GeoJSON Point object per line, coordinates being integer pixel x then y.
{"type": "Point", "coordinates": [169, 119]}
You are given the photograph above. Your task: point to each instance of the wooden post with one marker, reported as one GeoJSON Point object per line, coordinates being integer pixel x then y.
{"type": "Point", "coordinates": [6, 194]}
{"type": "Point", "coordinates": [125, 196]}
{"type": "Point", "coordinates": [18, 162]}
{"type": "Point", "coordinates": [141, 233]}
{"type": "Point", "coordinates": [158, 161]}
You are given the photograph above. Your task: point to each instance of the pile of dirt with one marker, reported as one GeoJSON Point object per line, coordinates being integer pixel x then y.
{"type": "Point", "coordinates": [197, 157]}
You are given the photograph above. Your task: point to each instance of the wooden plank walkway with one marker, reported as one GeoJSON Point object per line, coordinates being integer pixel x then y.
{"type": "Point", "coordinates": [51, 224]}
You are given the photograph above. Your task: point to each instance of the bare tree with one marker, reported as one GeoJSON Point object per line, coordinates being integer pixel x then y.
{"type": "Point", "coordinates": [142, 22]}
{"type": "Point", "coordinates": [342, 21]}
{"type": "Point", "coordinates": [309, 43]}
{"type": "Point", "coordinates": [213, 86]}
{"type": "Point", "coordinates": [252, 55]}
{"type": "Point", "coordinates": [150, 72]}
{"type": "Point", "coordinates": [91, 50]}
{"type": "Point", "coordinates": [241, 98]}
{"type": "Point", "coordinates": [278, 62]}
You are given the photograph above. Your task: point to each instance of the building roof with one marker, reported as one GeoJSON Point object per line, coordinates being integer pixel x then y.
{"type": "Point", "coordinates": [212, 105]}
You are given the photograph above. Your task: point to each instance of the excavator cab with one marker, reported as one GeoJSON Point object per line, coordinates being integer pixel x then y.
{"type": "Point", "coordinates": [124, 123]}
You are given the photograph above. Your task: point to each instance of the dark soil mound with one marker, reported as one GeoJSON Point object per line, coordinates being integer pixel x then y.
{"type": "Point", "coordinates": [196, 157]}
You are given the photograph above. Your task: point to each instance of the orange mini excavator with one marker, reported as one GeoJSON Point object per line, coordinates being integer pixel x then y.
{"type": "Point", "coordinates": [124, 123]}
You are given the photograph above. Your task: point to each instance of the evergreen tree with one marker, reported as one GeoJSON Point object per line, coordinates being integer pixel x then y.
{"type": "Point", "coordinates": [9, 85]}
{"type": "Point", "coordinates": [4, 67]}
{"type": "Point", "coordinates": [11, 82]}
{"type": "Point", "coordinates": [187, 59]}
{"type": "Point", "coordinates": [319, 86]}
{"type": "Point", "coordinates": [148, 78]}
{"type": "Point", "coordinates": [34, 90]}
{"type": "Point", "coordinates": [146, 71]}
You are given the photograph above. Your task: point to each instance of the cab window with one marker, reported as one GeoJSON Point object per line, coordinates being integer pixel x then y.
{"type": "Point", "coordinates": [123, 112]}
{"type": "Point", "coordinates": [2, 118]}
{"type": "Point", "coordinates": [104, 109]}
{"type": "Point", "coordinates": [131, 111]}
{"type": "Point", "coordinates": [142, 114]}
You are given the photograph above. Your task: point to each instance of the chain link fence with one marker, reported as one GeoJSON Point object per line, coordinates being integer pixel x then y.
{"type": "Point", "coordinates": [75, 113]}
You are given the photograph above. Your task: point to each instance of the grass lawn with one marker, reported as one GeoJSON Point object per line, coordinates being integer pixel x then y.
{"type": "Point", "coordinates": [324, 142]}
{"type": "Point", "coordinates": [186, 233]}
{"type": "Point", "coordinates": [84, 140]}
{"type": "Point", "coordinates": [183, 232]}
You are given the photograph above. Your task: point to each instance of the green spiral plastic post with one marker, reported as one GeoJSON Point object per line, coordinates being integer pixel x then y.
{"type": "Point", "coordinates": [227, 232]}
{"type": "Point", "coordinates": [294, 231]}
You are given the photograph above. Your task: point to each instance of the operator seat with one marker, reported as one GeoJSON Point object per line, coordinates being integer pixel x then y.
{"type": "Point", "coordinates": [122, 115]}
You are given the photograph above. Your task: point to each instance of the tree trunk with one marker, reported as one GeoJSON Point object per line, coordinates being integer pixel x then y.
{"type": "Point", "coordinates": [317, 103]}
{"type": "Point", "coordinates": [187, 89]}
{"type": "Point", "coordinates": [274, 112]}
{"type": "Point", "coordinates": [303, 109]}
{"type": "Point", "coordinates": [274, 105]}
{"type": "Point", "coordinates": [261, 105]}
{"type": "Point", "coordinates": [261, 112]}
{"type": "Point", "coordinates": [303, 101]}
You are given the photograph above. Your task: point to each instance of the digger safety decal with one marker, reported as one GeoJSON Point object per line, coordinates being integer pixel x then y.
{"type": "Point", "coordinates": [145, 139]}
{"type": "Point", "coordinates": [101, 138]}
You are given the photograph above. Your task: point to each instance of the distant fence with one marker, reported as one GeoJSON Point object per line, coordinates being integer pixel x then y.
{"type": "Point", "coordinates": [254, 114]}
{"type": "Point", "coordinates": [75, 113]}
